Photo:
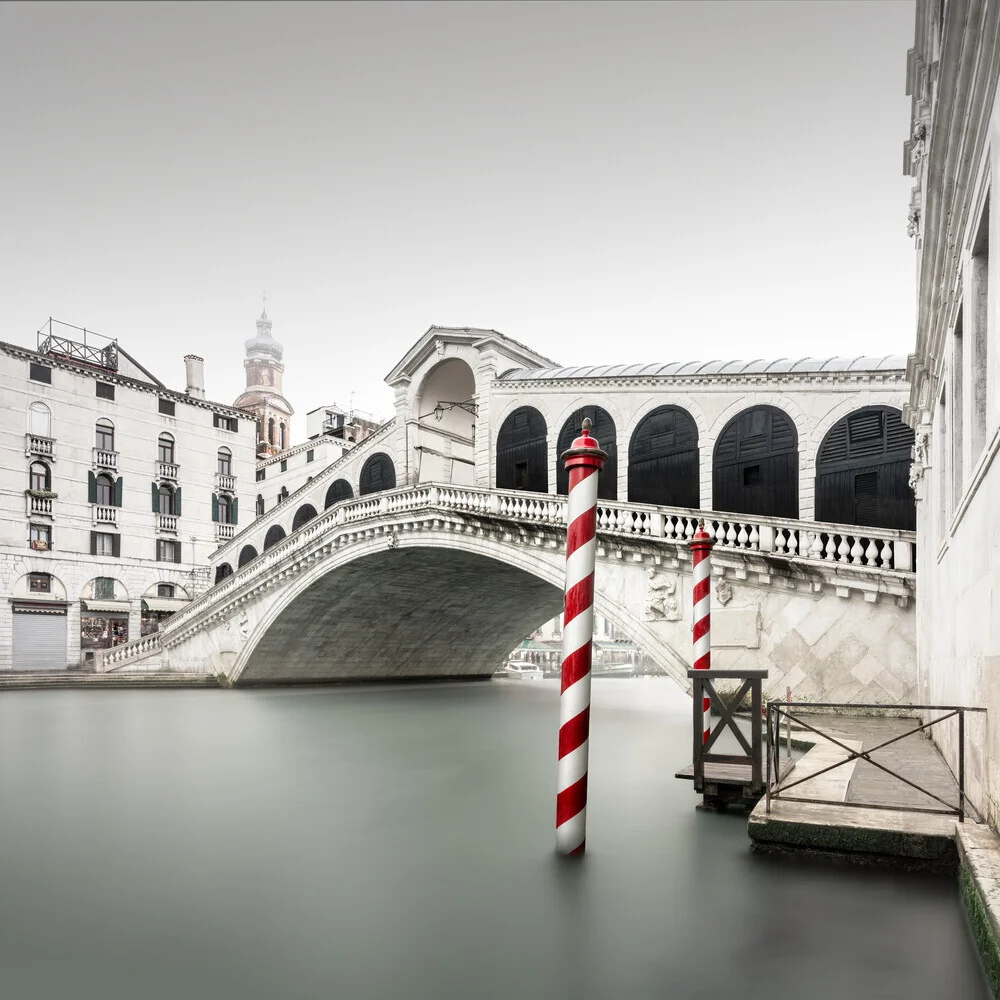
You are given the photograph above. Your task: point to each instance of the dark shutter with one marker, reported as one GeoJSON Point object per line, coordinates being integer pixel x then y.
{"type": "Point", "coordinates": [215, 506]}
{"type": "Point", "coordinates": [522, 452]}
{"type": "Point", "coordinates": [156, 498]}
{"type": "Point", "coordinates": [118, 491]}
{"type": "Point", "coordinates": [602, 428]}
{"type": "Point", "coordinates": [116, 545]}
{"type": "Point", "coordinates": [236, 510]}
{"type": "Point", "coordinates": [177, 552]}
{"type": "Point", "coordinates": [91, 489]}
{"type": "Point", "coordinates": [177, 502]}
{"type": "Point", "coordinates": [93, 543]}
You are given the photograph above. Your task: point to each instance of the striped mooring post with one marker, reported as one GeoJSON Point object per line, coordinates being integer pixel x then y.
{"type": "Point", "coordinates": [701, 597]}
{"type": "Point", "coordinates": [584, 460]}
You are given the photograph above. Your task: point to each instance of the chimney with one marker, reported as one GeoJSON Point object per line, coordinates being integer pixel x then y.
{"type": "Point", "coordinates": [195, 367]}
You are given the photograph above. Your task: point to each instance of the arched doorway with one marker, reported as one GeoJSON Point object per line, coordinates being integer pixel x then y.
{"type": "Point", "coordinates": [862, 471]}
{"type": "Point", "coordinates": [340, 489]}
{"type": "Point", "coordinates": [247, 554]}
{"type": "Point", "coordinates": [602, 428]}
{"type": "Point", "coordinates": [305, 513]}
{"type": "Point", "coordinates": [274, 535]}
{"type": "Point", "coordinates": [663, 459]}
{"type": "Point", "coordinates": [756, 464]}
{"type": "Point", "coordinates": [522, 455]}
{"type": "Point", "coordinates": [222, 571]}
{"type": "Point", "coordinates": [377, 474]}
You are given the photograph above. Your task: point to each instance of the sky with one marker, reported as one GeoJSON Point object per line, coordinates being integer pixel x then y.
{"type": "Point", "coordinates": [606, 183]}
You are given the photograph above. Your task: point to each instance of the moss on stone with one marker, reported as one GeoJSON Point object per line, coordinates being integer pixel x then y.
{"type": "Point", "coordinates": [982, 928]}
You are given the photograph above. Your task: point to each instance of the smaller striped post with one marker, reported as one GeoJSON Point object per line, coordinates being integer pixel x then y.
{"type": "Point", "coordinates": [701, 596]}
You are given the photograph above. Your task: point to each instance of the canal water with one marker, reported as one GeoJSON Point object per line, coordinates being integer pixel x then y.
{"type": "Point", "coordinates": [397, 842]}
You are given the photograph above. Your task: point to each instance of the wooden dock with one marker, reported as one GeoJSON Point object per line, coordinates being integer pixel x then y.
{"type": "Point", "coordinates": [730, 784]}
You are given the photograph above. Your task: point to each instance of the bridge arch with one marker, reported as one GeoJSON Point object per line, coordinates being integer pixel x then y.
{"type": "Point", "coordinates": [377, 474]}
{"type": "Point", "coordinates": [522, 452]}
{"type": "Point", "coordinates": [247, 554]}
{"type": "Point", "coordinates": [663, 459]}
{"type": "Point", "coordinates": [862, 470]}
{"type": "Point", "coordinates": [755, 464]}
{"type": "Point", "coordinates": [274, 535]}
{"type": "Point", "coordinates": [603, 428]}
{"type": "Point", "coordinates": [305, 513]}
{"type": "Point", "coordinates": [340, 489]}
{"type": "Point", "coordinates": [444, 388]}
{"type": "Point", "coordinates": [222, 571]}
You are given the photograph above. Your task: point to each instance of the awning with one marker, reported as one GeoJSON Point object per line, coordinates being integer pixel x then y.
{"type": "Point", "coordinates": [106, 606]}
{"type": "Point", "coordinates": [164, 603]}
{"type": "Point", "coordinates": [39, 608]}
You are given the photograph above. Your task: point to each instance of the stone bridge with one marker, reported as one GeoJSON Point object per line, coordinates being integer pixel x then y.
{"type": "Point", "coordinates": [438, 580]}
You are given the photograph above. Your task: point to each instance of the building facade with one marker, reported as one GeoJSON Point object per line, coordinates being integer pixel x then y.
{"type": "Point", "coordinates": [114, 491]}
{"type": "Point", "coordinates": [954, 401]}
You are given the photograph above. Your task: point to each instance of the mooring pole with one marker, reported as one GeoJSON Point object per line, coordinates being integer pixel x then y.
{"type": "Point", "coordinates": [584, 460]}
{"type": "Point", "coordinates": [701, 597]}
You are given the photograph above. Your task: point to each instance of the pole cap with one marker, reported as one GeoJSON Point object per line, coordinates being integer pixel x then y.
{"type": "Point", "coordinates": [701, 538]}
{"type": "Point", "coordinates": [585, 450]}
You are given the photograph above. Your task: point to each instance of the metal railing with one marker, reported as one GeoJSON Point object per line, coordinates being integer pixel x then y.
{"type": "Point", "coordinates": [776, 786]}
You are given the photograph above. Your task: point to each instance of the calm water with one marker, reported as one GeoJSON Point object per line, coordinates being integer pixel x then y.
{"type": "Point", "coordinates": [397, 842]}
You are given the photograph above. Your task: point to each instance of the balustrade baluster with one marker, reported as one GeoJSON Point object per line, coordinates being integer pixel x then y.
{"type": "Point", "coordinates": [871, 553]}
{"type": "Point", "coordinates": [843, 549]}
{"type": "Point", "coordinates": [857, 552]}
{"type": "Point", "coordinates": [754, 537]}
{"type": "Point", "coordinates": [779, 541]}
{"type": "Point", "coordinates": [793, 541]}
{"type": "Point", "coordinates": [742, 537]}
{"type": "Point", "coordinates": [831, 549]}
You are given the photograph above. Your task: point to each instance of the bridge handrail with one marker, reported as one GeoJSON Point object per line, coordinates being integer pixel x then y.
{"type": "Point", "coordinates": [887, 550]}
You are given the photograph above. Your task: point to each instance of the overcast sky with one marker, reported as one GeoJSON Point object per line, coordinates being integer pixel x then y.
{"type": "Point", "coordinates": [604, 182]}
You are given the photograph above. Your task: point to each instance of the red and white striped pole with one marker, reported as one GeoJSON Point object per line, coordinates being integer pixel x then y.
{"type": "Point", "coordinates": [584, 460]}
{"type": "Point", "coordinates": [701, 596]}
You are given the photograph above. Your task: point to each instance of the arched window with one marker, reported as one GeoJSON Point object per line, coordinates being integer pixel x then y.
{"type": "Point", "coordinates": [862, 471]}
{"type": "Point", "coordinates": [165, 449]}
{"type": "Point", "coordinates": [260, 429]}
{"type": "Point", "coordinates": [305, 513]}
{"type": "Point", "coordinates": [270, 430]}
{"type": "Point", "coordinates": [602, 428]}
{"type": "Point", "coordinates": [284, 438]}
{"type": "Point", "coordinates": [756, 464]}
{"type": "Point", "coordinates": [377, 474]}
{"type": "Point", "coordinates": [523, 452]}
{"type": "Point", "coordinates": [39, 420]}
{"type": "Point", "coordinates": [222, 571]}
{"type": "Point", "coordinates": [225, 462]}
{"type": "Point", "coordinates": [40, 476]}
{"type": "Point", "coordinates": [104, 435]}
{"type": "Point", "coordinates": [260, 505]}
{"type": "Point", "coordinates": [663, 459]}
{"type": "Point", "coordinates": [274, 535]}
{"type": "Point", "coordinates": [340, 489]}
{"type": "Point", "coordinates": [282, 494]}
{"type": "Point", "coordinates": [167, 499]}
{"type": "Point", "coordinates": [247, 554]}
{"type": "Point", "coordinates": [105, 491]}
{"type": "Point", "coordinates": [225, 509]}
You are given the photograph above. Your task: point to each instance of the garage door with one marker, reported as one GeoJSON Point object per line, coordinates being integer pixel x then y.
{"type": "Point", "coordinates": [39, 639]}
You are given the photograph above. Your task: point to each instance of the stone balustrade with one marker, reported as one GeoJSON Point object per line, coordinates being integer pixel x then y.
{"type": "Point", "coordinates": [127, 653]}
{"type": "Point", "coordinates": [223, 532]}
{"type": "Point", "coordinates": [38, 505]}
{"type": "Point", "coordinates": [228, 483]}
{"type": "Point", "coordinates": [105, 459]}
{"type": "Point", "coordinates": [35, 444]}
{"type": "Point", "coordinates": [105, 515]}
{"type": "Point", "coordinates": [167, 470]}
{"type": "Point", "coordinates": [166, 522]}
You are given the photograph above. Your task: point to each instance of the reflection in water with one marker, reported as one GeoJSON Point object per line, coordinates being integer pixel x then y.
{"type": "Point", "coordinates": [397, 842]}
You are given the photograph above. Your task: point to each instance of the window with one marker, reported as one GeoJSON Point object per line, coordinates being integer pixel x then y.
{"type": "Point", "coordinates": [261, 475]}
{"type": "Point", "coordinates": [270, 431]}
{"type": "Point", "coordinates": [751, 475]}
{"type": "Point", "coordinates": [104, 544]}
{"type": "Point", "coordinates": [260, 505]}
{"type": "Point", "coordinates": [40, 476]}
{"type": "Point", "coordinates": [225, 462]}
{"type": "Point", "coordinates": [165, 449]}
{"type": "Point", "coordinates": [39, 373]}
{"type": "Point", "coordinates": [284, 465]}
{"type": "Point", "coordinates": [310, 455]}
{"type": "Point", "coordinates": [105, 491]}
{"type": "Point", "coordinates": [165, 590]}
{"type": "Point", "coordinates": [520, 475]}
{"type": "Point", "coordinates": [283, 495]}
{"type": "Point", "coordinates": [105, 435]}
{"type": "Point", "coordinates": [105, 390]}
{"type": "Point", "coordinates": [39, 583]}
{"type": "Point", "coordinates": [225, 509]}
{"type": "Point", "coordinates": [978, 354]}
{"type": "Point", "coordinates": [167, 550]}
{"type": "Point", "coordinates": [167, 407]}
{"type": "Point", "coordinates": [166, 498]}
{"type": "Point", "coordinates": [284, 438]}
{"type": "Point", "coordinates": [104, 588]}
{"type": "Point", "coordinates": [226, 423]}
{"type": "Point", "coordinates": [40, 536]}
{"type": "Point", "coordinates": [39, 420]}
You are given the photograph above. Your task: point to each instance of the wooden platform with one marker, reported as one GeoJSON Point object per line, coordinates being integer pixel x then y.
{"type": "Point", "coordinates": [729, 784]}
{"type": "Point", "coordinates": [727, 774]}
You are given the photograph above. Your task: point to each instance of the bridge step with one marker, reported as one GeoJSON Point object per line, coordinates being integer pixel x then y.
{"type": "Point", "coordinates": [11, 680]}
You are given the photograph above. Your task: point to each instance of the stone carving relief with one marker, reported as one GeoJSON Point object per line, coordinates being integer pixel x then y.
{"type": "Point", "coordinates": [921, 461]}
{"type": "Point", "coordinates": [919, 147]}
{"type": "Point", "coordinates": [913, 222]}
{"type": "Point", "coordinates": [723, 591]}
{"type": "Point", "coordinates": [393, 540]}
{"type": "Point", "coordinates": [661, 597]}
{"type": "Point", "coordinates": [244, 625]}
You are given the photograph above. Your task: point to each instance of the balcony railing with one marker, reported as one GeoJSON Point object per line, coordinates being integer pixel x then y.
{"type": "Point", "coordinates": [38, 505]}
{"type": "Point", "coordinates": [105, 459]}
{"type": "Point", "coordinates": [37, 445]}
{"type": "Point", "coordinates": [223, 482]}
{"type": "Point", "coordinates": [105, 515]}
{"type": "Point", "coordinates": [223, 532]}
{"type": "Point", "coordinates": [167, 470]}
{"type": "Point", "coordinates": [166, 522]}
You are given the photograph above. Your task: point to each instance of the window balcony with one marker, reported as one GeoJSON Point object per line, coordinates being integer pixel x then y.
{"type": "Point", "coordinates": [223, 532]}
{"type": "Point", "coordinates": [37, 445]}
{"type": "Point", "coordinates": [36, 505]}
{"type": "Point", "coordinates": [227, 483]}
{"type": "Point", "coordinates": [167, 470]}
{"type": "Point", "coordinates": [105, 515]}
{"type": "Point", "coordinates": [166, 522]}
{"type": "Point", "coordinates": [105, 459]}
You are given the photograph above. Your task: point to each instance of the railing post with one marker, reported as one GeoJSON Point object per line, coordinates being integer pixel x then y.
{"type": "Point", "coordinates": [767, 787]}
{"type": "Point", "coordinates": [961, 765]}
{"type": "Point", "coordinates": [656, 524]}
{"type": "Point", "coordinates": [902, 555]}
{"type": "Point", "coordinates": [756, 692]}
{"type": "Point", "coordinates": [698, 739]}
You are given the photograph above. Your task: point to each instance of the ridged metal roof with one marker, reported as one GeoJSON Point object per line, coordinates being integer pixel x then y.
{"type": "Point", "coordinates": [891, 362]}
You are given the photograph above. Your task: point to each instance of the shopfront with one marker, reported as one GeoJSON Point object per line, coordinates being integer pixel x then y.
{"type": "Point", "coordinates": [39, 635]}
{"type": "Point", "coordinates": [103, 624]}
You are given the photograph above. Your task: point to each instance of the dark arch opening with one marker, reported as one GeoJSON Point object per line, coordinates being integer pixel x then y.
{"type": "Point", "coordinates": [377, 474]}
{"type": "Point", "coordinates": [305, 513]}
{"type": "Point", "coordinates": [663, 459]}
{"type": "Point", "coordinates": [222, 571]}
{"type": "Point", "coordinates": [274, 535]}
{"type": "Point", "coordinates": [863, 469]}
{"type": "Point", "coordinates": [602, 428]}
{"type": "Point", "coordinates": [247, 554]}
{"type": "Point", "coordinates": [340, 489]}
{"type": "Point", "coordinates": [522, 455]}
{"type": "Point", "coordinates": [755, 469]}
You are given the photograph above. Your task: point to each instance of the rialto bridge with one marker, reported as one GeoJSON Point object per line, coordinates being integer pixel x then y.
{"type": "Point", "coordinates": [433, 547]}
